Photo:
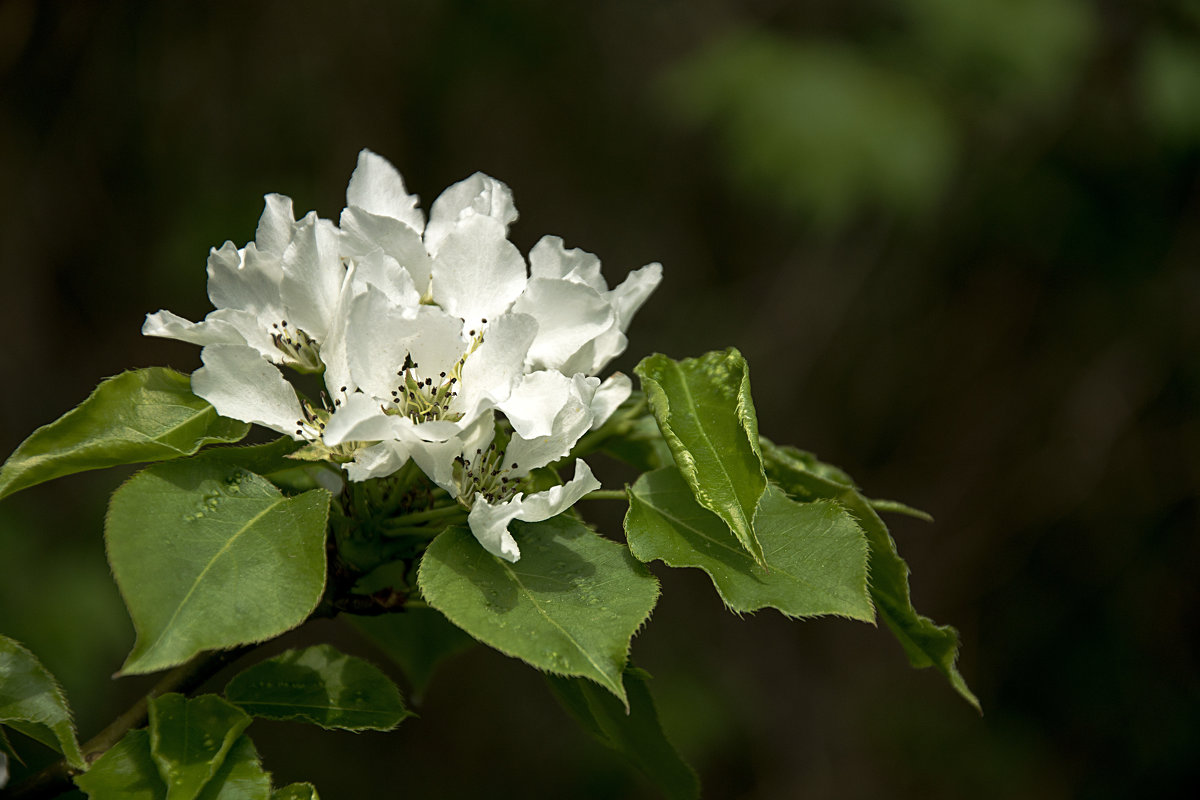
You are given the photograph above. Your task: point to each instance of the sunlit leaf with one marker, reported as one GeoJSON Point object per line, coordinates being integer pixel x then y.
{"type": "Point", "coordinates": [704, 409]}
{"type": "Point", "coordinates": [296, 791]}
{"type": "Point", "coordinates": [141, 415]}
{"type": "Point", "coordinates": [570, 606]}
{"type": "Point", "coordinates": [210, 556]}
{"type": "Point", "coordinates": [816, 553]}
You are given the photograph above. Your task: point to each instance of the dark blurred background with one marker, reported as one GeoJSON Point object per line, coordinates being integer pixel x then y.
{"type": "Point", "coordinates": [958, 243]}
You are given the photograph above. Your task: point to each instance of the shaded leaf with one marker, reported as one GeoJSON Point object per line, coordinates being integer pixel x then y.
{"type": "Point", "coordinates": [816, 553]}
{"type": "Point", "coordinates": [637, 735]}
{"type": "Point", "coordinates": [189, 739]}
{"type": "Point", "coordinates": [320, 685]}
{"type": "Point", "coordinates": [126, 772]}
{"type": "Point", "coordinates": [704, 409]}
{"type": "Point", "coordinates": [141, 415]}
{"type": "Point", "coordinates": [296, 791]}
{"type": "Point", "coordinates": [570, 606]}
{"type": "Point", "coordinates": [925, 642]}
{"type": "Point", "coordinates": [32, 703]}
{"type": "Point", "coordinates": [417, 640]}
{"type": "Point", "coordinates": [210, 556]}
{"type": "Point", "coordinates": [241, 776]}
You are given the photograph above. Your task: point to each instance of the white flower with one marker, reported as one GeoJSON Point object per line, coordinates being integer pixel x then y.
{"type": "Point", "coordinates": [548, 412]}
{"type": "Point", "coordinates": [429, 335]}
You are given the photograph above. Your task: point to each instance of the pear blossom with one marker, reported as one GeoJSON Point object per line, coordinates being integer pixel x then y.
{"type": "Point", "coordinates": [431, 336]}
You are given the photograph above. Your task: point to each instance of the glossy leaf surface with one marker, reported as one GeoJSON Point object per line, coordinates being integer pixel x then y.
{"type": "Point", "coordinates": [190, 738]}
{"type": "Point", "coordinates": [816, 553]}
{"type": "Point", "coordinates": [704, 409]}
{"type": "Point", "coordinates": [211, 556]}
{"type": "Point", "coordinates": [32, 702]}
{"type": "Point", "coordinates": [141, 415]}
{"type": "Point", "coordinates": [570, 606]}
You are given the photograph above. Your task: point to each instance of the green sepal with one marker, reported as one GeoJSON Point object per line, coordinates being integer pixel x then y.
{"type": "Point", "coordinates": [137, 416]}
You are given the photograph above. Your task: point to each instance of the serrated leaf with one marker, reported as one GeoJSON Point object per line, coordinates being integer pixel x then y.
{"type": "Point", "coordinates": [816, 553]}
{"type": "Point", "coordinates": [141, 415]}
{"type": "Point", "coordinates": [570, 606]}
{"type": "Point", "coordinates": [925, 642]}
{"type": "Point", "coordinates": [417, 640]}
{"type": "Point", "coordinates": [637, 735]}
{"type": "Point", "coordinates": [704, 409]}
{"type": "Point", "coordinates": [209, 556]}
{"type": "Point", "coordinates": [320, 685]}
{"type": "Point", "coordinates": [241, 776]}
{"type": "Point", "coordinates": [125, 772]}
{"type": "Point", "coordinates": [32, 702]}
{"type": "Point", "coordinates": [190, 738]}
{"type": "Point", "coordinates": [296, 791]}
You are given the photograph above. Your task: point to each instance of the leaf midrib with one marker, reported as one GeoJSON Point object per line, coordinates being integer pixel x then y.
{"type": "Point", "coordinates": [199, 578]}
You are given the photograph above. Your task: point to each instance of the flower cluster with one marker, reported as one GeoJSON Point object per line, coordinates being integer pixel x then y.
{"type": "Point", "coordinates": [426, 334]}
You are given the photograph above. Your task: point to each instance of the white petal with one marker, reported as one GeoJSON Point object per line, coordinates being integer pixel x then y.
{"type": "Point", "coordinates": [633, 291]}
{"type": "Point", "coordinates": [491, 372]}
{"type": "Point", "coordinates": [477, 273]}
{"type": "Point", "coordinates": [490, 523]}
{"type": "Point", "coordinates": [377, 187]}
{"type": "Point", "coordinates": [549, 259]}
{"type": "Point", "coordinates": [568, 314]}
{"type": "Point", "coordinates": [234, 283]}
{"type": "Point", "coordinates": [478, 194]}
{"type": "Point", "coordinates": [241, 384]}
{"type": "Point", "coordinates": [383, 272]}
{"type": "Point", "coordinates": [276, 224]}
{"type": "Point", "coordinates": [609, 396]}
{"type": "Point", "coordinates": [436, 459]}
{"type": "Point", "coordinates": [379, 335]}
{"type": "Point", "coordinates": [535, 403]}
{"type": "Point", "coordinates": [572, 421]}
{"type": "Point", "coordinates": [594, 356]}
{"type": "Point", "coordinates": [359, 418]}
{"type": "Point", "coordinates": [364, 233]}
{"type": "Point", "coordinates": [313, 276]}
{"type": "Point", "coordinates": [377, 461]}
{"type": "Point", "coordinates": [169, 325]}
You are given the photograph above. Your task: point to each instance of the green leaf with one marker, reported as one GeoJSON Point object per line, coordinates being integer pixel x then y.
{"type": "Point", "coordinates": [209, 556]}
{"type": "Point", "coordinates": [296, 791]}
{"type": "Point", "coordinates": [570, 606]}
{"type": "Point", "coordinates": [704, 409]}
{"type": "Point", "coordinates": [128, 772]}
{"type": "Point", "coordinates": [320, 685]}
{"type": "Point", "coordinates": [925, 642]}
{"type": "Point", "coordinates": [636, 735]}
{"type": "Point", "coordinates": [241, 776]}
{"type": "Point", "coordinates": [125, 772]}
{"type": "Point", "coordinates": [189, 740]}
{"type": "Point", "coordinates": [417, 640]}
{"type": "Point", "coordinates": [142, 415]}
{"type": "Point", "coordinates": [896, 507]}
{"type": "Point", "coordinates": [816, 553]}
{"type": "Point", "coordinates": [32, 703]}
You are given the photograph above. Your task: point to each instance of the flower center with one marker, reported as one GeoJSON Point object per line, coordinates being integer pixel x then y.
{"type": "Point", "coordinates": [300, 351]}
{"type": "Point", "coordinates": [425, 399]}
{"type": "Point", "coordinates": [486, 475]}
